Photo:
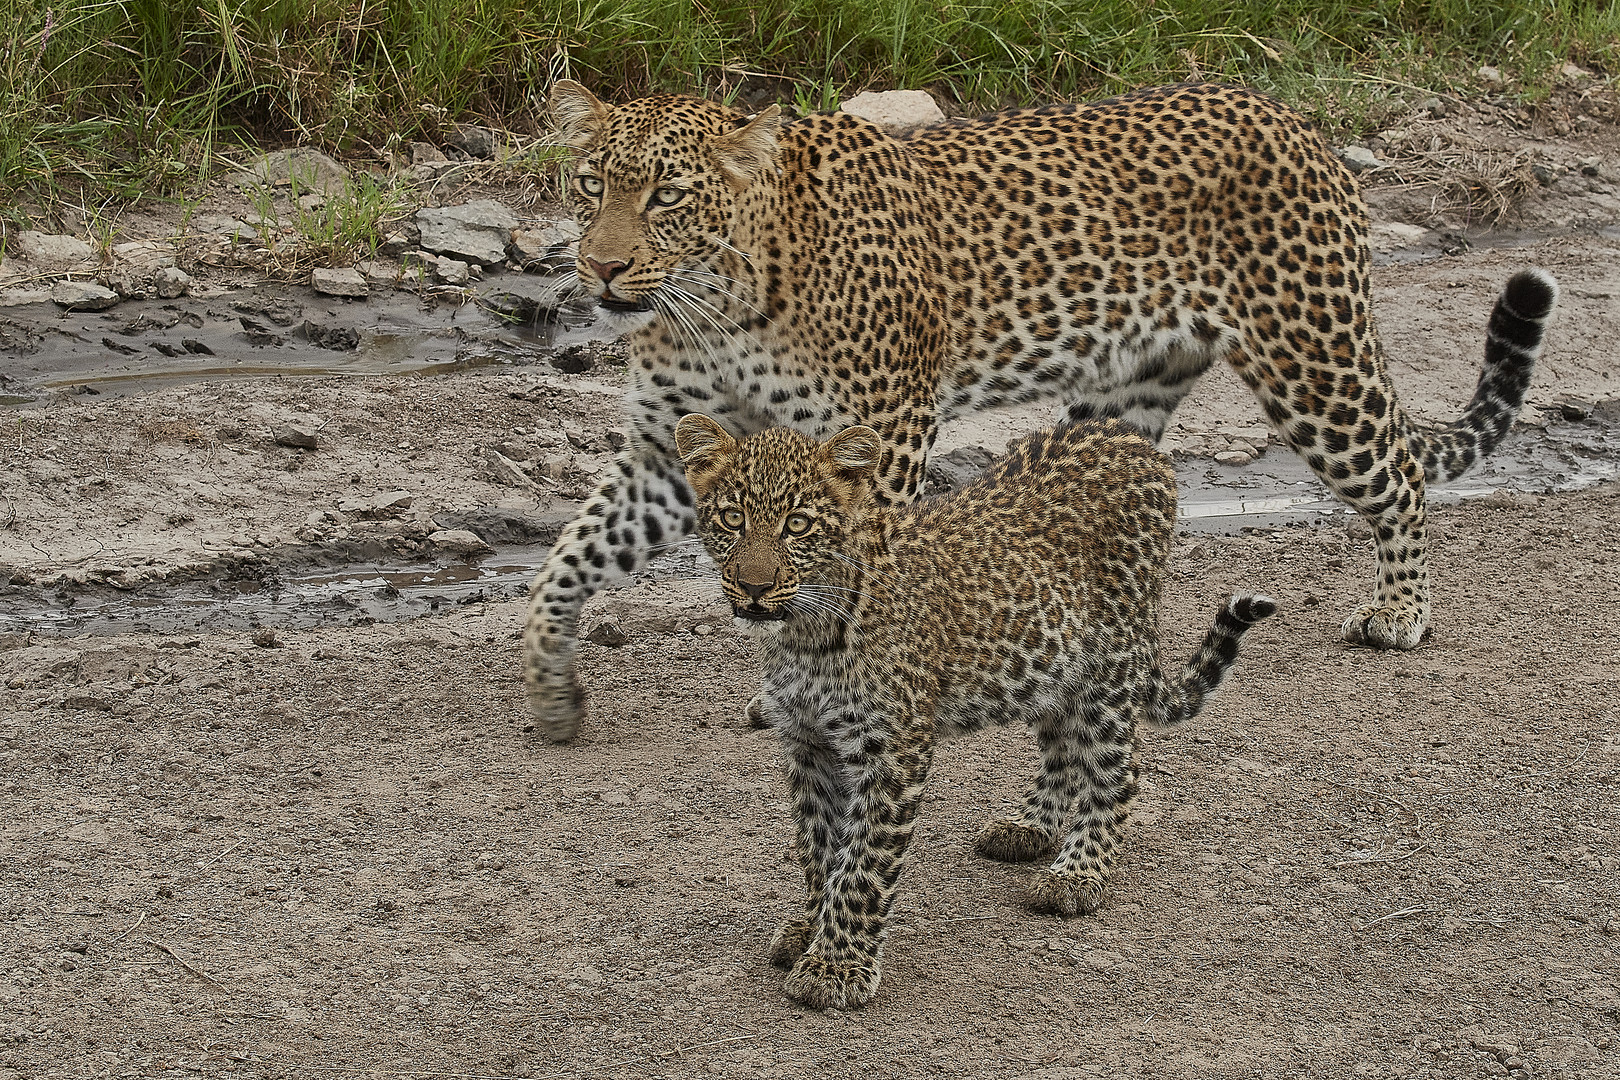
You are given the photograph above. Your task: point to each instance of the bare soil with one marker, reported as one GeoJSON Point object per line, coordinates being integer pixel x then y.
{"type": "Point", "coordinates": [316, 852]}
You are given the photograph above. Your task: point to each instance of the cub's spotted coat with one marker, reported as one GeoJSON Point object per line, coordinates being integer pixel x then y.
{"type": "Point", "coordinates": [1031, 595]}
{"type": "Point", "coordinates": [819, 274]}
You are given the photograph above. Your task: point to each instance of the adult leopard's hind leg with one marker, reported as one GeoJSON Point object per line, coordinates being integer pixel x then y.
{"type": "Point", "coordinates": [1152, 393]}
{"type": "Point", "coordinates": [1103, 730]}
{"type": "Point", "coordinates": [644, 502]}
{"type": "Point", "coordinates": [1345, 423]}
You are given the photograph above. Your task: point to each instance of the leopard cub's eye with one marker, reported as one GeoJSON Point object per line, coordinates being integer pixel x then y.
{"type": "Point", "coordinates": [667, 196]}
{"type": "Point", "coordinates": [732, 518]}
{"type": "Point", "coordinates": [590, 185]}
{"type": "Point", "coordinates": [797, 524]}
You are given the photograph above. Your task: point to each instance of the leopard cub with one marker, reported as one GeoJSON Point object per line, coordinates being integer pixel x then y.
{"type": "Point", "coordinates": [1032, 594]}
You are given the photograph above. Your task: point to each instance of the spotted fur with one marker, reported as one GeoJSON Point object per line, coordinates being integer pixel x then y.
{"type": "Point", "coordinates": [1032, 595]}
{"type": "Point", "coordinates": [819, 274]}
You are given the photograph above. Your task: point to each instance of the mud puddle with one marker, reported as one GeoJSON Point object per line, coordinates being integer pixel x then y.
{"type": "Point", "coordinates": [1274, 491]}
{"type": "Point", "coordinates": [278, 331]}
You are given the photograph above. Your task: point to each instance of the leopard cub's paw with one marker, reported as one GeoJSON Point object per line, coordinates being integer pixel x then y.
{"type": "Point", "coordinates": [1384, 628]}
{"type": "Point", "coordinates": [755, 715]}
{"type": "Point", "coordinates": [822, 983]}
{"type": "Point", "coordinates": [791, 941]}
{"type": "Point", "coordinates": [1067, 895]}
{"type": "Point", "coordinates": [558, 704]}
{"type": "Point", "coordinates": [1013, 841]}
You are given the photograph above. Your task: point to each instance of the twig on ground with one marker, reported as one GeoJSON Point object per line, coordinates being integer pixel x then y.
{"type": "Point", "coordinates": [222, 854]}
{"type": "Point", "coordinates": [131, 929]}
{"type": "Point", "coordinates": [1401, 914]}
{"type": "Point", "coordinates": [1369, 862]}
{"type": "Point", "coordinates": [183, 962]}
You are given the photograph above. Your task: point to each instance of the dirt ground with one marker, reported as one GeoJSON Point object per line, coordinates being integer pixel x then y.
{"type": "Point", "coordinates": [330, 851]}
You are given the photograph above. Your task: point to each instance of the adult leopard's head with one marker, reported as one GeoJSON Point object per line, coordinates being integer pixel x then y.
{"type": "Point", "coordinates": [776, 511]}
{"type": "Point", "coordinates": [653, 185]}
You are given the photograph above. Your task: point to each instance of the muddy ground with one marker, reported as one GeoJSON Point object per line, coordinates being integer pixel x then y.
{"type": "Point", "coordinates": [323, 846]}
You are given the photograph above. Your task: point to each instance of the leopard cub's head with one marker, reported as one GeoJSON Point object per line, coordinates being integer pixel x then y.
{"type": "Point", "coordinates": [653, 185]}
{"type": "Point", "coordinates": [776, 510]}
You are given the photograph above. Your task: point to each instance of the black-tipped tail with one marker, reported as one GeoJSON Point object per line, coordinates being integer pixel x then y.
{"type": "Point", "coordinates": [1513, 342]}
{"type": "Point", "coordinates": [1208, 666]}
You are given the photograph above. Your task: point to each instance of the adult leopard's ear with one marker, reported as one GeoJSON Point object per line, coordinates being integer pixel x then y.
{"type": "Point", "coordinates": [578, 115]}
{"type": "Point", "coordinates": [702, 444]}
{"type": "Point", "coordinates": [855, 451]}
{"type": "Point", "coordinates": [750, 151]}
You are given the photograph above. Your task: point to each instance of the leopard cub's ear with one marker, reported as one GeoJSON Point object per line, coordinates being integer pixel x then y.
{"type": "Point", "coordinates": [855, 451]}
{"type": "Point", "coordinates": [702, 444]}
{"type": "Point", "coordinates": [578, 115]}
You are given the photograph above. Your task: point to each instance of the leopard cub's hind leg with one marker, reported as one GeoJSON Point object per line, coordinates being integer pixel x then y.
{"type": "Point", "coordinates": [1104, 768]}
{"type": "Point", "coordinates": [1034, 832]}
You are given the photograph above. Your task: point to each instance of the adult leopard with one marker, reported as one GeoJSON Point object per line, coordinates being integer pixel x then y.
{"type": "Point", "coordinates": [820, 274]}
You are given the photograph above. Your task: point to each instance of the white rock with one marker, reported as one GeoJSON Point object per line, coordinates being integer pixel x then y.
{"type": "Point", "coordinates": [170, 282]}
{"type": "Point", "coordinates": [83, 296]}
{"type": "Point", "coordinates": [50, 252]}
{"type": "Point", "coordinates": [145, 253]}
{"type": "Point", "coordinates": [344, 282]}
{"type": "Point", "coordinates": [896, 111]}
{"type": "Point", "coordinates": [459, 541]}
{"type": "Point", "coordinates": [1387, 236]}
{"type": "Point", "coordinates": [1491, 76]}
{"type": "Point", "coordinates": [451, 271]}
{"type": "Point", "coordinates": [1360, 159]}
{"type": "Point", "coordinates": [477, 232]}
{"type": "Point", "coordinates": [310, 169]}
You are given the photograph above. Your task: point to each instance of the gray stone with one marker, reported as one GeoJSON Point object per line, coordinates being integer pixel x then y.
{"type": "Point", "coordinates": [397, 243]}
{"type": "Point", "coordinates": [608, 633]}
{"type": "Point", "coordinates": [384, 504]}
{"type": "Point", "coordinates": [148, 254]}
{"type": "Point", "coordinates": [474, 141]}
{"type": "Point", "coordinates": [477, 232]}
{"type": "Point", "coordinates": [171, 282]}
{"type": "Point", "coordinates": [451, 271]}
{"type": "Point", "coordinates": [224, 225]}
{"type": "Point", "coordinates": [310, 169]}
{"type": "Point", "coordinates": [426, 154]}
{"type": "Point", "coordinates": [898, 112]}
{"type": "Point", "coordinates": [1234, 458]}
{"type": "Point", "coordinates": [1545, 174]}
{"type": "Point", "coordinates": [459, 541]}
{"type": "Point", "coordinates": [379, 272]}
{"type": "Point", "coordinates": [1491, 77]}
{"type": "Point", "coordinates": [50, 252]}
{"type": "Point", "coordinates": [297, 436]}
{"type": "Point", "coordinates": [550, 248]}
{"type": "Point", "coordinates": [345, 282]}
{"type": "Point", "coordinates": [83, 296]}
{"type": "Point", "coordinates": [1360, 159]}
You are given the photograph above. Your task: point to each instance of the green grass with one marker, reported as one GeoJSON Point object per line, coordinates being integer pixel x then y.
{"type": "Point", "coordinates": [132, 97]}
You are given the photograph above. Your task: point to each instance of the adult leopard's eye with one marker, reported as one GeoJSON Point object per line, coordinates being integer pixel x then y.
{"type": "Point", "coordinates": [732, 519]}
{"type": "Point", "coordinates": [797, 524]}
{"type": "Point", "coordinates": [590, 185]}
{"type": "Point", "coordinates": [667, 196]}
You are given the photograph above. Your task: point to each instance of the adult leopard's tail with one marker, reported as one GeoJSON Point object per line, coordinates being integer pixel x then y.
{"type": "Point", "coordinates": [1206, 668]}
{"type": "Point", "coordinates": [1512, 343]}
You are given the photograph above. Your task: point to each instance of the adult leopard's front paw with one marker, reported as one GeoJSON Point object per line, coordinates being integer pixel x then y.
{"type": "Point", "coordinates": [1051, 893]}
{"type": "Point", "coordinates": [1013, 841]}
{"type": "Point", "coordinates": [791, 941]}
{"type": "Point", "coordinates": [822, 983]}
{"type": "Point", "coordinates": [1384, 628]}
{"type": "Point", "coordinates": [558, 703]}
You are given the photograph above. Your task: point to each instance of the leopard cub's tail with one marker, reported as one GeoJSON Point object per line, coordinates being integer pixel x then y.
{"type": "Point", "coordinates": [1184, 699]}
